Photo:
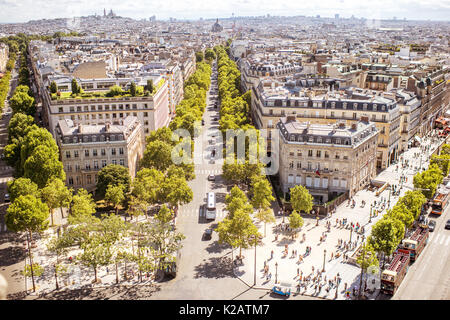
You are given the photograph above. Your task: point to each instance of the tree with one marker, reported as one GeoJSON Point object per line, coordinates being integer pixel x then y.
{"type": "Point", "coordinates": [22, 102]}
{"type": "Point", "coordinates": [295, 222]}
{"type": "Point", "coordinates": [366, 259]}
{"type": "Point", "coordinates": [146, 185]}
{"type": "Point", "coordinates": [165, 215]}
{"type": "Point", "coordinates": [237, 231]}
{"type": "Point", "coordinates": [53, 87]}
{"type": "Point", "coordinates": [43, 165]}
{"type": "Point", "coordinates": [413, 200]}
{"type": "Point", "coordinates": [56, 194]}
{"type": "Point", "coordinates": [58, 247]}
{"type": "Point", "coordinates": [428, 180]}
{"type": "Point", "coordinates": [19, 125]}
{"type": "Point", "coordinates": [133, 89]}
{"type": "Point", "coordinates": [36, 137]}
{"type": "Point", "coordinates": [384, 236]}
{"type": "Point", "coordinates": [75, 87]}
{"type": "Point", "coordinates": [175, 191]}
{"type": "Point", "coordinates": [114, 91]}
{"type": "Point", "coordinates": [113, 174]}
{"type": "Point", "coordinates": [82, 206]}
{"type": "Point", "coordinates": [27, 213]}
{"type": "Point", "coordinates": [401, 212]}
{"type": "Point", "coordinates": [22, 187]}
{"type": "Point", "coordinates": [157, 155]}
{"type": "Point", "coordinates": [209, 54]}
{"type": "Point", "coordinates": [445, 149]}
{"type": "Point", "coordinates": [115, 195]}
{"type": "Point", "coordinates": [237, 200]}
{"type": "Point", "coordinates": [96, 253]}
{"type": "Point", "coordinates": [266, 216]}
{"type": "Point", "coordinates": [443, 162]}
{"type": "Point", "coordinates": [150, 87]}
{"type": "Point", "coordinates": [262, 193]}
{"type": "Point", "coordinates": [199, 56]}
{"type": "Point", "coordinates": [301, 199]}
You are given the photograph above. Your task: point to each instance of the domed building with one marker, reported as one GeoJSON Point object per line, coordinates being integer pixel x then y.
{"type": "Point", "coordinates": [217, 27]}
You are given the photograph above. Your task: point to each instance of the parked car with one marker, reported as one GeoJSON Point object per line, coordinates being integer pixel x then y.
{"type": "Point", "coordinates": [215, 119]}
{"type": "Point", "coordinates": [207, 234]}
{"type": "Point", "coordinates": [7, 198]}
{"type": "Point", "coordinates": [431, 225]}
{"type": "Point", "coordinates": [447, 224]}
{"type": "Point", "coordinates": [212, 177]}
{"type": "Point", "coordinates": [283, 289]}
{"type": "Point", "coordinates": [203, 122]}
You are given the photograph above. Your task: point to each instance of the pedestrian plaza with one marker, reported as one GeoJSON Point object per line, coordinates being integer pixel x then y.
{"type": "Point", "coordinates": [286, 268]}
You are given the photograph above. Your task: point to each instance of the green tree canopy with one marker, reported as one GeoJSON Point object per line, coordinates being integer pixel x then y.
{"type": "Point", "coordinates": [301, 199]}
{"type": "Point", "coordinates": [113, 174]}
{"type": "Point", "coordinates": [22, 187]}
{"type": "Point", "coordinates": [115, 195]}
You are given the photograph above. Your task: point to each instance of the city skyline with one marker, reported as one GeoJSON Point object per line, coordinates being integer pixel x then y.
{"type": "Point", "coordinates": [26, 10]}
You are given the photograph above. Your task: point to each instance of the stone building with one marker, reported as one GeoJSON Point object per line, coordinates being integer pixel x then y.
{"type": "Point", "coordinates": [86, 149]}
{"type": "Point", "coordinates": [327, 159]}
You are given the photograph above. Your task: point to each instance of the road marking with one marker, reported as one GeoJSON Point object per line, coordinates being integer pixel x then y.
{"type": "Point", "coordinates": [442, 240]}
{"type": "Point", "coordinates": [436, 237]}
{"type": "Point", "coordinates": [446, 242]}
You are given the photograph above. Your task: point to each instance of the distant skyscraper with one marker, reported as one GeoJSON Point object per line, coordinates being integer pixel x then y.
{"type": "Point", "coordinates": [336, 16]}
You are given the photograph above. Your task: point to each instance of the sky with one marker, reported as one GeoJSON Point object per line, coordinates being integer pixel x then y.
{"type": "Point", "coordinates": [25, 10]}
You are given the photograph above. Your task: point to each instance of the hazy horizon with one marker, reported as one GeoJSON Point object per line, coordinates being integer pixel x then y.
{"type": "Point", "coordinates": [23, 11]}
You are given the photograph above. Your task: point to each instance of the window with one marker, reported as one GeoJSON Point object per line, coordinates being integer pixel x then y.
{"type": "Point", "coordinates": [67, 154]}
{"type": "Point", "coordinates": [103, 151]}
{"type": "Point", "coordinates": [103, 163]}
{"type": "Point", "coordinates": [114, 161]}
{"type": "Point", "coordinates": [78, 180]}
{"type": "Point", "coordinates": [325, 183]}
{"type": "Point", "coordinates": [96, 165]}
{"type": "Point", "coordinates": [310, 153]}
{"type": "Point", "coordinates": [299, 165]}
{"type": "Point", "coordinates": [75, 153]}
{"type": "Point", "coordinates": [60, 110]}
{"type": "Point", "coordinates": [113, 151]}
{"type": "Point", "coordinates": [308, 181]}
{"type": "Point", "coordinates": [89, 180]}
{"type": "Point", "coordinates": [291, 178]}
{"type": "Point", "coordinates": [122, 162]}
{"type": "Point", "coordinates": [70, 181]}
{"type": "Point", "coordinates": [298, 179]}
{"type": "Point", "coordinates": [291, 165]}
{"type": "Point", "coordinates": [94, 152]}
{"type": "Point", "coordinates": [86, 153]}
{"type": "Point", "coordinates": [318, 153]}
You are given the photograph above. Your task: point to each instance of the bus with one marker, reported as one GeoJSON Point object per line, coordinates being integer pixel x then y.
{"type": "Point", "coordinates": [211, 206]}
{"type": "Point", "coordinates": [392, 277]}
{"type": "Point", "coordinates": [440, 202]}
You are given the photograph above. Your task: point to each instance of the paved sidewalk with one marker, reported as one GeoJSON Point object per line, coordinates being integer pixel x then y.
{"type": "Point", "coordinates": [289, 265]}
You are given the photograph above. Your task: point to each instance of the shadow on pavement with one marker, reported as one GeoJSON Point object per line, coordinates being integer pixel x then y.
{"type": "Point", "coordinates": [217, 267]}
{"type": "Point", "coordinates": [216, 247]}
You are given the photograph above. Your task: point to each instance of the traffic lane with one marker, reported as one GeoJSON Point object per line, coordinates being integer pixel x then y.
{"type": "Point", "coordinates": [429, 276]}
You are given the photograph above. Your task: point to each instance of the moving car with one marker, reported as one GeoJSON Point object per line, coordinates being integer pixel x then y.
{"type": "Point", "coordinates": [431, 225]}
{"type": "Point", "coordinates": [7, 199]}
{"type": "Point", "coordinates": [212, 177]}
{"type": "Point", "coordinates": [215, 119]}
{"type": "Point", "coordinates": [207, 234]}
{"type": "Point", "coordinates": [203, 122]}
{"type": "Point", "coordinates": [447, 224]}
{"type": "Point", "coordinates": [283, 289]}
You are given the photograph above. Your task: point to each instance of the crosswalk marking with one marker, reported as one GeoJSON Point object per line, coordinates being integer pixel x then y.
{"type": "Point", "coordinates": [442, 240]}
{"type": "Point", "coordinates": [446, 242]}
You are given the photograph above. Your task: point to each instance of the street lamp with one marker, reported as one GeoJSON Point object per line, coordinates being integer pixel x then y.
{"type": "Point", "coordinates": [324, 255]}
{"type": "Point", "coordinates": [370, 216]}
{"type": "Point", "coordinates": [351, 229]}
{"type": "Point", "coordinates": [276, 272]}
{"type": "Point", "coordinates": [389, 200]}
{"type": "Point", "coordinates": [254, 279]}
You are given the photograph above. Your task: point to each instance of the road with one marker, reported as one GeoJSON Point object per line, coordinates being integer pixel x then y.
{"type": "Point", "coordinates": [12, 249]}
{"type": "Point", "coordinates": [204, 269]}
{"type": "Point", "coordinates": [429, 277]}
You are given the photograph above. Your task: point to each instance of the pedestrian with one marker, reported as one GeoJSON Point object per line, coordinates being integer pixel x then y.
{"type": "Point", "coordinates": [298, 272]}
{"type": "Point", "coordinates": [271, 255]}
{"type": "Point", "coordinates": [331, 256]}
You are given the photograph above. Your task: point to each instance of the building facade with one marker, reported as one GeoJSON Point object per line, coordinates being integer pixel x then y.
{"type": "Point", "coordinates": [270, 101]}
{"type": "Point", "coordinates": [327, 159]}
{"type": "Point", "coordinates": [86, 149]}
